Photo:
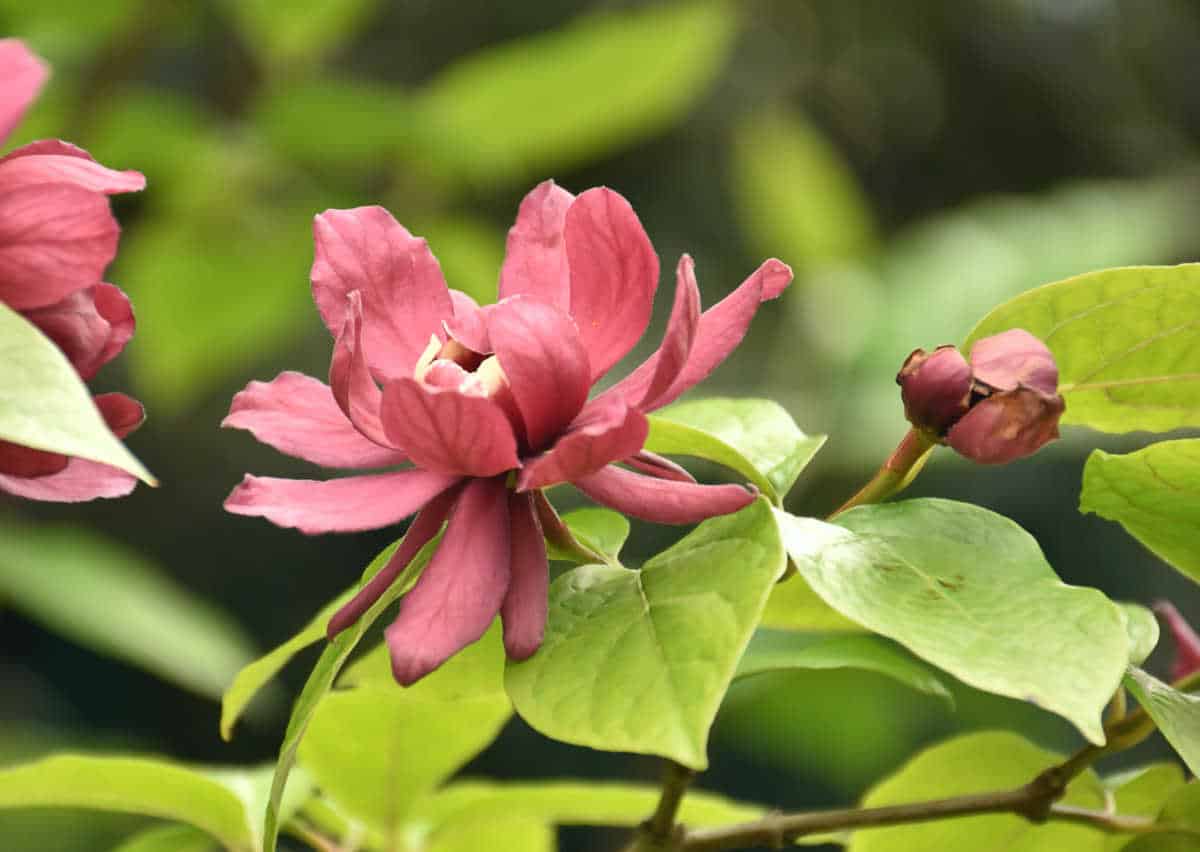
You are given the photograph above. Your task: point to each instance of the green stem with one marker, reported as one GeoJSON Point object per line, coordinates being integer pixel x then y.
{"type": "Point", "coordinates": [660, 833]}
{"type": "Point", "coordinates": [897, 472]}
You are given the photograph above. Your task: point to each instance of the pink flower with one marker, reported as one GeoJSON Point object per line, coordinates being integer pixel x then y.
{"type": "Point", "coordinates": [1187, 643]}
{"type": "Point", "coordinates": [57, 236]}
{"type": "Point", "coordinates": [490, 405]}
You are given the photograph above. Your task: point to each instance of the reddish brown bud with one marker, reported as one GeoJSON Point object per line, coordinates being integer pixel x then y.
{"type": "Point", "coordinates": [935, 387]}
{"type": "Point", "coordinates": [1006, 426]}
{"type": "Point", "coordinates": [1187, 643]}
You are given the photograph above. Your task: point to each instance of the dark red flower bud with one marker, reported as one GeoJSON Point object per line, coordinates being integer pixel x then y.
{"type": "Point", "coordinates": [1012, 359]}
{"type": "Point", "coordinates": [1187, 643]}
{"type": "Point", "coordinates": [1007, 426]}
{"type": "Point", "coordinates": [935, 387]}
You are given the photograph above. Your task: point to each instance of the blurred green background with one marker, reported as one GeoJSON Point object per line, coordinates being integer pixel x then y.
{"type": "Point", "coordinates": [914, 166]}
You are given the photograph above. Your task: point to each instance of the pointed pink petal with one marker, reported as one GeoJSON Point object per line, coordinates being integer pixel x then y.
{"type": "Point", "coordinates": [448, 431]}
{"type": "Point", "coordinates": [720, 330]}
{"type": "Point", "coordinates": [52, 161]}
{"type": "Point", "coordinates": [662, 501]}
{"type": "Point", "coordinates": [614, 273]}
{"type": "Point", "coordinates": [123, 414]}
{"type": "Point", "coordinates": [350, 377]}
{"type": "Point", "coordinates": [54, 240]}
{"type": "Point", "coordinates": [91, 326]}
{"type": "Point", "coordinates": [337, 505]}
{"type": "Point", "coordinates": [653, 464]}
{"type": "Point", "coordinates": [404, 294]}
{"type": "Point", "coordinates": [79, 481]}
{"type": "Point", "coordinates": [540, 351]}
{"type": "Point", "coordinates": [460, 590]}
{"type": "Point", "coordinates": [297, 415]}
{"type": "Point", "coordinates": [27, 463]}
{"type": "Point", "coordinates": [535, 258]}
{"type": "Point", "coordinates": [469, 324]}
{"type": "Point", "coordinates": [424, 527]}
{"type": "Point", "coordinates": [22, 74]}
{"type": "Point", "coordinates": [680, 334]}
{"type": "Point", "coordinates": [524, 609]}
{"type": "Point", "coordinates": [606, 431]}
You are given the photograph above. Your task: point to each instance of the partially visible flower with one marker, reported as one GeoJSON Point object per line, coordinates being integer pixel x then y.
{"type": "Point", "coordinates": [1187, 643]}
{"type": "Point", "coordinates": [1003, 405]}
{"type": "Point", "coordinates": [57, 236]}
{"type": "Point", "coordinates": [490, 405]}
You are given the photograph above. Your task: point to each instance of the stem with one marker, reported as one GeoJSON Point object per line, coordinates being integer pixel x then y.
{"type": "Point", "coordinates": [660, 832]}
{"type": "Point", "coordinates": [901, 467]}
{"type": "Point", "coordinates": [311, 836]}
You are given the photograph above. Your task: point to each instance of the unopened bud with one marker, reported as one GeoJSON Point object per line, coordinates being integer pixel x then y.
{"type": "Point", "coordinates": [1187, 643]}
{"type": "Point", "coordinates": [935, 387]}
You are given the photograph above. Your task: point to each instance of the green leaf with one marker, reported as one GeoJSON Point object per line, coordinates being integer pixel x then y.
{"type": "Point", "coordinates": [497, 833]}
{"type": "Point", "coordinates": [253, 789]}
{"type": "Point", "coordinates": [1176, 713]}
{"type": "Point", "coordinates": [1155, 494]}
{"type": "Point", "coordinates": [129, 785]}
{"type": "Point", "coordinates": [1142, 628]}
{"type": "Point", "coordinates": [969, 591]}
{"type": "Point", "coordinates": [470, 252]}
{"type": "Point", "coordinates": [1142, 792]}
{"type": "Point", "coordinates": [168, 838]}
{"type": "Point", "coordinates": [45, 405]}
{"type": "Point", "coordinates": [111, 600]}
{"type": "Point", "coordinates": [602, 530]}
{"type": "Point", "coordinates": [755, 437]}
{"type": "Point", "coordinates": [299, 33]}
{"type": "Point", "coordinates": [793, 605]}
{"type": "Point", "coordinates": [1183, 808]}
{"type": "Point", "coordinates": [640, 660]}
{"type": "Point", "coordinates": [978, 763]}
{"type": "Point", "coordinates": [785, 650]}
{"type": "Point", "coordinates": [541, 104]}
{"type": "Point", "coordinates": [376, 748]}
{"type": "Point", "coordinates": [1123, 340]}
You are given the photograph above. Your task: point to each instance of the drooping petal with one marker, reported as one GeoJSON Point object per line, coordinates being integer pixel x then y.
{"type": "Point", "coordinates": [91, 326]}
{"type": "Point", "coordinates": [122, 414]}
{"type": "Point", "coordinates": [680, 334]}
{"type": "Point", "coordinates": [535, 257]}
{"type": "Point", "coordinates": [614, 273]}
{"type": "Point", "coordinates": [423, 528]}
{"type": "Point", "coordinates": [404, 294]}
{"type": "Point", "coordinates": [1012, 358]}
{"type": "Point", "coordinates": [22, 74]}
{"type": "Point", "coordinates": [449, 431]}
{"type": "Point", "coordinates": [462, 587]}
{"type": "Point", "coordinates": [337, 505]}
{"type": "Point", "coordinates": [524, 609]}
{"type": "Point", "coordinates": [653, 464]}
{"type": "Point", "coordinates": [52, 161]}
{"type": "Point", "coordinates": [297, 415]}
{"type": "Point", "coordinates": [350, 377]}
{"type": "Point", "coordinates": [606, 431]}
{"type": "Point", "coordinates": [26, 462]}
{"type": "Point", "coordinates": [539, 349]}
{"type": "Point", "coordinates": [662, 501]}
{"type": "Point", "coordinates": [54, 240]}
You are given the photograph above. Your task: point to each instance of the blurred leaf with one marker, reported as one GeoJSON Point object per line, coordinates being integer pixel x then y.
{"type": "Point", "coordinates": [1142, 792]}
{"type": "Point", "coordinates": [1176, 713]}
{"type": "Point", "coordinates": [640, 660]}
{"type": "Point", "coordinates": [793, 605]}
{"type": "Point", "coordinates": [1183, 808]}
{"type": "Point", "coordinates": [253, 789]}
{"type": "Point", "coordinates": [529, 108]}
{"type": "Point", "coordinates": [969, 591]}
{"type": "Point", "coordinates": [497, 833]}
{"type": "Point", "coordinates": [1154, 494]}
{"type": "Point", "coordinates": [168, 838]}
{"type": "Point", "coordinates": [66, 29]}
{"type": "Point", "coordinates": [298, 33]}
{"type": "Point", "coordinates": [978, 763]}
{"type": "Point", "coordinates": [1123, 340]}
{"type": "Point", "coordinates": [470, 252]}
{"type": "Point", "coordinates": [45, 405]}
{"type": "Point", "coordinates": [782, 650]}
{"type": "Point", "coordinates": [797, 197]}
{"type": "Point", "coordinates": [1141, 626]}
{"type": "Point", "coordinates": [602, 530]}
{"type": "Point", "coordinates": [113, 601]}
{"type": "Point", "coordinates": [755, 437]}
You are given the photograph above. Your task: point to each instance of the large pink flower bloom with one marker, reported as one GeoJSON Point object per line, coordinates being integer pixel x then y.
{"type": "Point", "coordinates": [57, 236]}
{"type": "Point", "coordinates": [490, 405]}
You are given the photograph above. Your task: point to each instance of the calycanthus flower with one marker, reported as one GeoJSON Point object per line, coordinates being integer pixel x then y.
{"type": "Point", "coordinates": [57, 236]}
{"type": "Point", "coordinates": [490, 406]}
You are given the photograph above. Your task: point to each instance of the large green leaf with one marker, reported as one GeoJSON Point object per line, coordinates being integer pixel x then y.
{"type": "Point", "coordinates": [978, 763]}
{"type": "Point", "coordinates": [640, 660]}
{"type": "Point", "coordinates": [1176, 713]}
{"type": "Point", "coordinates": [497, 833]}
{"type": "Point", "coordinates": [969, 591]}
{"type": "Point", "coordinates": [45, 405]}
{"type": "Point", "coordinates": [1155, 494]}
{"type": "Point", "coordinates": [755, 437]}
{"type": "Point", "coordinates": [1124, 340]}
{"type": "Point", "coordinates": [1142, 792]}
{"type": "Point", "coordinates": [168, 838]}
{"type": "Point", "coordinates": [535, 106]}
{"type": "Point", "coordinates": [110, 599]}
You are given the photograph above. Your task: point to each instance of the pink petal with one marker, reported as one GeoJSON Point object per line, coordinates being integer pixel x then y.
{"type": "Point", "coordinates": [469, 324]}
{"type": "Point", "coordinates": [424, 527]}
{"type": "Point", "coordinates": [535, 258]}
{"type": "Point", "coordinates": [337, 505]}
{"type": "Point", "coordinates": [91, 326]}
{"type": "Point", "coordinates": [662, 501]}
{"type": "Point", "coordinates": [447, 431]}
{"type": "Point", "coordinates": [524, 609]}
{"type": "Point", "coordinates": [653, 464]}
{"type": "Point", "coordinates": [679, 336]}
{"type": "Point", "coordinates": [460, 590]}
{"type": "Point", "coordinates": [404, 294]}
{"type": "Point", "coordinates": [1187, 642]}
{"type": "Point", "coordinates": [52, 161]}
{"type": "Point", "coordinates": [540, 351]}
{"type": "Point", "coordinates": [122, 413]}
{"type": "Point", "coordinates": [54, 240]}
{"type": "Point", "coordinates": [350, 378]}
{"type": "Point", "coordinates": [606, 431]}
{"type": "Point", "coordinates": [297, 415]}
{"type": "Point", "coordinates": [1013, 358]}
{"type": "Point", "coordinates": [22, 74]}
{"type": "Point", "coordinates": [720, 330]}
{"type": "Point", "coordinates": [79, 481]}
{"type": "Point", "coordinates": [27, 463]}
{"type": "Point", "coordinates": [614, 273]}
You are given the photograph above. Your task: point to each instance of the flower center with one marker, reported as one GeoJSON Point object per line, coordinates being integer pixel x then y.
{"type": "Point", "coordinates": [452, 365]}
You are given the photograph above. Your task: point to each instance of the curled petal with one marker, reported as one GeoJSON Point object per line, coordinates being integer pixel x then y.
{"type": "Point", "coordinates": [460, 590]}
{"type": "Point", "coordinates": [404, 295]}
{"type": "Point", "coordinates": [1012, 358]}
{"type": "Point", "coordinates": [607, 430]}
{"type": "Point", "coordinates": [23, 75]}
{"type": "Point", "coordinates": [524, 609]}
{"type": "Point", "coordinates": [677, 342]}
{"type": "Point", "coordinates": [935, 387]}
{"type": "Point", "coordinates": [337, 505]}
{"type": "Point", "coordinates": [614, 273]}
{"type": "Point", "coordinates": [662, 501]}
{"type": "Point", "coordinates": [91, 326]}
{"type": "Point", "coordinates": [1006, 426]}
{"type": "Point", "coordinates": [535, 257]}
{"type": "Point", "coordinates": [52, 161]}
{"type": "Point", "coordinates": [469, 324]}
{"type": "Point", "coordinates": [297, 415]}
{"type": "Point", "coordinates": [448, 431]}
{"type": "Point", "coordinates": [350, 377]}
{"type": "Point", "coordinates": [653, 464]}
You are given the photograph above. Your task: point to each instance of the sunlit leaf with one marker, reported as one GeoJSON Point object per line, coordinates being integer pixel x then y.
{"type": "Point", "coordinates": [793, 605]}
{"type": "Point", "coordinates": [1176, 713]}
{"type": "Point", "coordinates": [602, 530]}
{"type": "Point", "coordinates": [498, 833]}
{"type": "Point", "coordinates": [169, 838]}
{"type": "Point", "coordinates": [1142, 792]}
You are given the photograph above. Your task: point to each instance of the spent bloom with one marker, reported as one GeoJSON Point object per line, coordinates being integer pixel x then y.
{"type": "Point", "coordinates": [1187, 642]}
{"type": "Point", "coordinates": [57, 236]}
{"type": "Point", "coordinates": [1001, 406]}
{"type": "Point", "coordinates": [489, 406]}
